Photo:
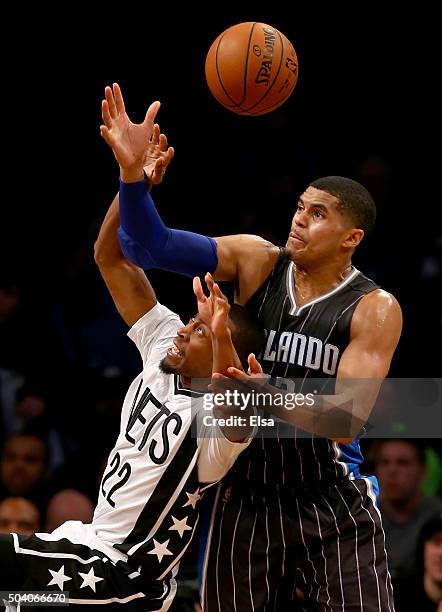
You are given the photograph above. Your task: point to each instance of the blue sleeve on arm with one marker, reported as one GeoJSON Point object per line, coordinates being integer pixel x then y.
{"type": "Point", "coordinates": [148, 243]}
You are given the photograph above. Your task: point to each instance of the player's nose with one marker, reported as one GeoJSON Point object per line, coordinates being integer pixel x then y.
{"type": "Point", "coordinates": [183, 332]}
{"type": "Point", "coordinates": [300, 219]}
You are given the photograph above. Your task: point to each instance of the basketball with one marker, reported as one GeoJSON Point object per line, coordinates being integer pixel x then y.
{"type": "Point", "coordinates": [251, 68]}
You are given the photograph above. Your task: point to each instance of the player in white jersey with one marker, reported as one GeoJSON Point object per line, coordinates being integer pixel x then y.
{"type": "Point", "coordinates": [157, 473]}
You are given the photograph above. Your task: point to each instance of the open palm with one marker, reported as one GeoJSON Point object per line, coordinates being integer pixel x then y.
{"type": "Point", "coordinates": [128, 140]}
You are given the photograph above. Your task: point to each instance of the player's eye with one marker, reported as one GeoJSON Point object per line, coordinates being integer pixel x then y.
{"type": "Point", "coordinates": [318, 214]}
{"type": "Point", "coordinates": [200, 331]}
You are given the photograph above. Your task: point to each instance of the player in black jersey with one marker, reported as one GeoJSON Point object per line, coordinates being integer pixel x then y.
{"type": "Point", "coordinates": [292, 512]}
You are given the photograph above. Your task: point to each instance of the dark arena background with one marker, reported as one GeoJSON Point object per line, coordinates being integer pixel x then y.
{"type": "Point", "coordinates": [363, 107]}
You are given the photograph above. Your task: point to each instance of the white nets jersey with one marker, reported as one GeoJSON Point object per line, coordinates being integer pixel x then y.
{"type": "Point", "coordinates": [157, 472]}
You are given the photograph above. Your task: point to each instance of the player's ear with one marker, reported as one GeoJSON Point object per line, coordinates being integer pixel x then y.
{"type": "Point", "coordinates": [353, 238]}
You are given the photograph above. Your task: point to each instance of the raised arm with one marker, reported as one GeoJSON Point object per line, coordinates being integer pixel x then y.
{"type": "Point", "coordinates": [221, 442]}
{"type": "Point", "coordinates": [130, 289]}
{"type": "Point", "coordinates": [146, 241]}
{"type": "Point", "coordinates": [214, 311]}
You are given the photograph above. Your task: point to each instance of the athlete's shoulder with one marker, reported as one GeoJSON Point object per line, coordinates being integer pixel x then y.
{"type": "Point", "coordinates": [245, 239]}
{"type": "Point", "coordinates": [379, 310]}
{"type": "Point", "coordinates": [246, 260]}
{"type": "Point", "coordinates": [379, 299]}
{"type": "Point", "coordinates": [245, 244]}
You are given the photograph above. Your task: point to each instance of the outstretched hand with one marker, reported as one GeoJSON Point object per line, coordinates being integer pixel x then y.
{"type": "Point", "coordinates": [255, 373]}
{"type": "Point", "coordinates": [213, 310]}
{"type": "Point", "coordinates": [128, 140]}
{"type": "Point", "coordinates": [157, 157]}
{"type": "Point", "coordinates": [237, 381]}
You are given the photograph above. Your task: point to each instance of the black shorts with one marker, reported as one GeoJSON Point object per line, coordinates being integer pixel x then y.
{"type": "Point", "coordinates": [322, 550]}
{"type": "Point", "coordinates": [92, 580]}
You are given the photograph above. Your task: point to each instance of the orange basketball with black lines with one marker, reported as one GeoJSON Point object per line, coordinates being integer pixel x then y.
{"type": "Point", "coordinates": [251, 68]}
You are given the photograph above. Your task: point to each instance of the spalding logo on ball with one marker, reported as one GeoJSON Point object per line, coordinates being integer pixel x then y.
{"type": "Point", "coordinates": [251, 68]}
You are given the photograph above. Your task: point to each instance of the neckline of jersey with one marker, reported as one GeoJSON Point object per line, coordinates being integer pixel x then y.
{"type": "Point", "coordinates": [295, 309]}
{"type": "Point", "coordinates": [180, 390]}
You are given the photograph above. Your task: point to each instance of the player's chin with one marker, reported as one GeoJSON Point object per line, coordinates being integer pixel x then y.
{"type": "Point", "coordinates": [169, 367]}
{"type": "Point", "coordinates": [292, 250]}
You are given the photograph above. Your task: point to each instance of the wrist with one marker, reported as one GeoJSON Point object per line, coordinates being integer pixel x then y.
{"type": "Point", "coordinates": [147, 178]}
{"type": "Point", "coordinates": [132, 174]}
{"type": "Point", "coordinates": [222, 334]}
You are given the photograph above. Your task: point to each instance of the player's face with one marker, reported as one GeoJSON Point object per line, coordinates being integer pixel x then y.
{"type": "Point", "coordinates": [433, 557]}
{"type": "Point", "coordinates": [191, 353]}
{"type": "Point", "coordinates": [318, 228]}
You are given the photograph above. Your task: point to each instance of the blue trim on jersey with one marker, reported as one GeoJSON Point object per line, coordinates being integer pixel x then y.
{"type": "Point", "coordinates": [351, 455]}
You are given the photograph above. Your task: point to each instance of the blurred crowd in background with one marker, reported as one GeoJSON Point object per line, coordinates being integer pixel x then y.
{"type": "Point", "coordinates": [361, 109]}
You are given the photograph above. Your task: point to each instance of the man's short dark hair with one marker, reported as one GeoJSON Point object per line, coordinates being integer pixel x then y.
{"type": "Point", "coordinates": [354, 200]}
{"type": "Point", "coordinates": [248, 335]}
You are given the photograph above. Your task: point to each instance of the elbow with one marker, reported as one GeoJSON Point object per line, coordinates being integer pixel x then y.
{"type": "Point", "coordinates": [104, 256]}
{"type": "Point", "coordinates": [99, 254]}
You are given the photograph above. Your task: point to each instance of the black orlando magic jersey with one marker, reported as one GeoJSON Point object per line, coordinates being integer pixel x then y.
{"type": "Point", "coordinates": [302, 343]}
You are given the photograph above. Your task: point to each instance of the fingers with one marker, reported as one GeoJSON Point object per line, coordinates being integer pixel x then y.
{"type": "Point", "coordinates": [167, 158]}
{"type": "Point", "coordinates": [198, 289]}
{"type": "Point", "coordinates": [119, 102]}
{"type": "Point", "coordinates": [104, 132]}
{"type": "Point", "coordinates": [163, 142]}
{"type": "Point", "coordinates": [159, 168]}
{"type": "Point", "coordinates": [219, 294]}
{"type": "Point", "coordinates": [254, 365]}
{"type": "Point", "coordinates": [161, 163]}
{"type": "Point", "coordinates": [106, 114]}
{"type": "Point", "coordinates": [217, 384]}
{"type": "Point", "coordinates": [159, 139]}
{"type": "Point", "coordinates": [111, 102]}
{"type": "Point", "coordinates": [218, 376]}
{"type": "Point", "coordinates": [155, 134]}
{"type": "Point", "coordinates": [209, 282]}
{"type": "Point", "coordinates": [250, 362]}
{"type": "Point", "coordinates": [217, 290]}
{"type": "Point", "coordinates": [235, 373]}
{"type": "Point", "coordinates": [214, 287]}
{"type": "Point", "coordinates": [151, 113]}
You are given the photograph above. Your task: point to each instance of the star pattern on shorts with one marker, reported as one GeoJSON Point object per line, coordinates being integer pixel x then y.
{"type": "Point", "coordinates": [89, 579]}
{"type": "Point", "coordinates": [59, 578]}
{"type": "Point", "coordinates": [193, 498]}
{"type": "Point", "coordinates": [180, 526]}
{"type": "Point", "coordinates": [160, 550]}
